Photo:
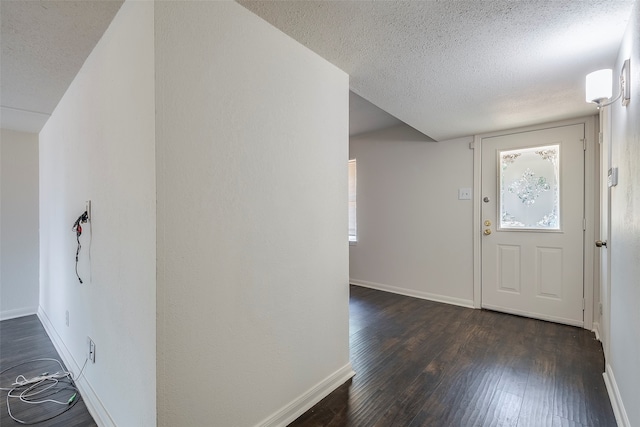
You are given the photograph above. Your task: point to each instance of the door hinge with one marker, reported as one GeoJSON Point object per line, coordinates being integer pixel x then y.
{"type": "Point", "coordinates": [584, 224]}
{"type": "Point", "coordinates": [584, 144]}
{"type": "Point", "coordinates": [600, 137]}
{"type": "Point", "coordinates": [584, 303]}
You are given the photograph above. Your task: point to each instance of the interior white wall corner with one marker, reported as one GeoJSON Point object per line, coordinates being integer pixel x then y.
{"type": "Point", "coordinates": [99, 145]}
{"type": "Point", "coordinates": [624, 360]}
{"type": "Point", "coordinates": [414, 235]}
{"type": "Point", "coordinates": [19, 254]}
{"type": "Point", "coordinates": [252, 150]}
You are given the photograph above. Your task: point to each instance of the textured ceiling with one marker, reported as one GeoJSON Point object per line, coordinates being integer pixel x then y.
{"type": "Point", "coordinates": [44, 44]}
{"type": "Point", "coordinates": [447, 68]}
{"type": "Point", "coordinates": [457, 68]}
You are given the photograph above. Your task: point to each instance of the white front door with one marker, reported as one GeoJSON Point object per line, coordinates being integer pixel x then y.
{"type": "Point", "coordinates": [533, 224]}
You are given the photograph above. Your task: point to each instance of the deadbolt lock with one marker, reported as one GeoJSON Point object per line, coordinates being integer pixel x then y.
{"type": "Point", "coordinates": [487, 223]}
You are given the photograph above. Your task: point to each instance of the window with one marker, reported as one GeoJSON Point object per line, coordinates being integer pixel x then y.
{"type": "Point", "coordinates": [530, 188]}
{"type": "Point", "coordinates": [352, 201]}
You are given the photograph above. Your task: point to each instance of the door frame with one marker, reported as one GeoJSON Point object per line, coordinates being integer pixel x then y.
{"type": "Point", "coordinates": [590, 285]}
{"type": "Point", "coordinates": [602, 323]}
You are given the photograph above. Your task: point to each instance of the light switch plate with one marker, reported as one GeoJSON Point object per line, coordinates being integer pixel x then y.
{"type": "Point", "coordinates": [464, 194]}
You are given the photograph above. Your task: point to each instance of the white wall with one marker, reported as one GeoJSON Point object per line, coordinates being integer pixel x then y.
{"type": "Point", "coordinates": [414, 236]}
{"type": "Point", "coordinates": [18, 224]}
{"type": "Point", "coordinates": [623, 365]}
{"type": "Point", "coordinates": [99, 144]}
{"type": "Point", "coordinates": [252, 149]}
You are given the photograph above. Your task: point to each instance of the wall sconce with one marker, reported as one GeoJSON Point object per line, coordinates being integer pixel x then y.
{"type": "Point", "coordinates": [599, 83]}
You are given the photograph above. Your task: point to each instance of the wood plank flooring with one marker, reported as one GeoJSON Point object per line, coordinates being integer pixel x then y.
{"type": "Point", "coordinates": [421, 363]}
{"type": "Point", "coordinates": [24, 339]}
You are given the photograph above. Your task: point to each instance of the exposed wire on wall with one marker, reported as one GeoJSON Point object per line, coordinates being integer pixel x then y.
{"type": "Point", "coordinates": [53, 392]}
{"type": "Point", "coordinates": [77, 227]}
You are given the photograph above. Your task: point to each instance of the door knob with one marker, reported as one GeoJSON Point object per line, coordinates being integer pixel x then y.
{"type": "Point", "coordinates": [487, 232]}
{"type": "Point", "coordinates": [600, 243]}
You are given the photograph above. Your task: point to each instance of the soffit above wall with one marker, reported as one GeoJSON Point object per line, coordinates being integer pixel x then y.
{"type": "Point", "coordinates": [365, 117]}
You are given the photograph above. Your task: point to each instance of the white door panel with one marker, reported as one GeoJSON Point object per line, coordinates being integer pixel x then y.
{"type": "Point", "coordinates": [532, 211]}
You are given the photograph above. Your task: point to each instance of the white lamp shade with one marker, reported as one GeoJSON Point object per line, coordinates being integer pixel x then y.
{"type": "Point", "coordinates": [599, 85]}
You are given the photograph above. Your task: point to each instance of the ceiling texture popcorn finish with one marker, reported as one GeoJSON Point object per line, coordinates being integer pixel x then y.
{"type": "Point", "coordinates": [457, 68]}
{"type": "Point", "coordinates": [447, 68]}
{"type": "Point", "coordinates": [44, 44]}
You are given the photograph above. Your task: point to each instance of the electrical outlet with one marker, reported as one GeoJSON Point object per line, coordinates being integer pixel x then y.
{"type": "Point", "coordinates": [88, 209]}
{"type": "Point", "coordinates": [91, 350]}
{"type": "Point", "coordinates": [66, 317]}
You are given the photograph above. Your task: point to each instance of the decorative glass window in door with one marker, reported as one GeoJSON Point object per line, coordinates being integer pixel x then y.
{"type": "Point", "coordinates": [530, 188]}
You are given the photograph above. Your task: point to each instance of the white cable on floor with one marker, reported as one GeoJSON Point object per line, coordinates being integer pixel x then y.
{"type": "Point", "coordinates": [31, 390]}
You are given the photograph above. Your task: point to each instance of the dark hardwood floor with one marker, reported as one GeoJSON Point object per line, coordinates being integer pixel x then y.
{"type": "Point", "coordinates": [421, 363]}
{"type": "Point", "coordinates": [25, 339]}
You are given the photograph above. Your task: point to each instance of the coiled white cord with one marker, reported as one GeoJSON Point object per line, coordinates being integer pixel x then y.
{"type": "Point", "coordinates": [39, 389]}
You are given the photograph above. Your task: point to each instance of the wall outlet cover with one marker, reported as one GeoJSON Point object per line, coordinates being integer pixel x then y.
{"type": "Point", "coordinates": [464, 194]}
{"type": "Point", "coordinates": [91, 350]}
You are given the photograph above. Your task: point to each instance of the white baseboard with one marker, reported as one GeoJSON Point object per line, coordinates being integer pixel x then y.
{"type": "Point", "coordinates": [92, 401]}
{"type": "Point", "coordinates": [596, 330]}
{"type": "Point", "coordinates": [413, 293]}
{"type": "Point", "coordinates": [616, 400]}
{"type": "Point", "coordinates": [18, 312]}
{"type": "Point", "coordinates": [303, 403]}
